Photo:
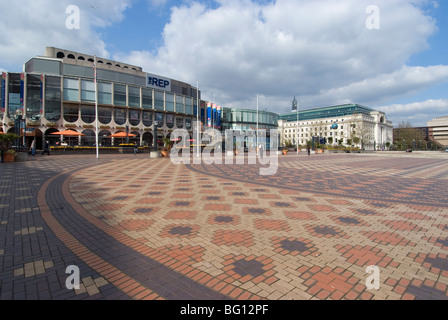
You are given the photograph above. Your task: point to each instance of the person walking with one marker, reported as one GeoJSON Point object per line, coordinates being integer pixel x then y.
{"type": "Point", "coordinates": [308, 150]}
{"type": "Point", "coordinates": [136, 148]}
{"type": "Point", "coordinates": [46, 148]}
{"type": "Point", "coordinates": [33, 148]}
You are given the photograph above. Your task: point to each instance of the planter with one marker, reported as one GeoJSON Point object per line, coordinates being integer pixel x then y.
{"type": "Point", "coordinates": [165, 153]}
{"type": "Point", "coordinates": [284, 152]}
{"type": "Point", "coordinates": [8, 157]}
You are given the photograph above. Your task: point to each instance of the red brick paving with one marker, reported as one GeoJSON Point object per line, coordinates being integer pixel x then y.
{"type": "Point", "coordinates": [254, 240]}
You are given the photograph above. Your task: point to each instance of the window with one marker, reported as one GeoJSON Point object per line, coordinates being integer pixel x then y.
{"type": "Point", "coordinates": [179, 122]}
{"type": "Point", "coordinates": [169, 104]}
{"type": "Point", "coordinates": [180, 106]}
{"type": "Point", "coordinates": [120, 116]}
{"type": "Point", "coordinates": [134, 117]}
{"type": "Point", "coordinates": [88, 114]}
{"type": "Point", "coordinates": [147, 118]}
{"type": "Point", "coordinates": [104, 93]}
{"type": "Point", "coordinates": [134, 97]}
{"type": "Point", "coordinates": [159, 119]}
{"type": "Point", "coordinates": [87, 91]}
{"type": "Point", "coordinates": [71, 89]}
{"type": "Point", "coordinates": [119, 95]}
{"type": "Point", "coordinates": [188, 106]}
{"type": "Point", "coordinates": [159, 98]}
{"type": "Point", "coordinates": [104, 115]}
{"type": "Point", "coordinates": [147, 98]}
{"type": "Point", "coordinates": [71, 113]}
{"type": "Point", "coordinates": [33, 95]}
{"type": "Point", "coordinates": [52, 98]}
{"type": "Point", "coordinates": [170, 121]}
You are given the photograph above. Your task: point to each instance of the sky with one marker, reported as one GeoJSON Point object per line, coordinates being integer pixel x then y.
{"type": "Point", "coordinates": [387, 55]}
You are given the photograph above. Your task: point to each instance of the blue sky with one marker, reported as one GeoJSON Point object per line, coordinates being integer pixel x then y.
{"type": "Point", "coordinates": [318, 51]}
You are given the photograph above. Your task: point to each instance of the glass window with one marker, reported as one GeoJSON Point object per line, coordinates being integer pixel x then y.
{"type": "Point", "coordinates": [170, 121]}
{"type": "Point", "coordinates": [33, 95]}
{"type": "Point", "coordinates": [88, 114]}
{"type": "Point", "coordinates": [179, 122]}
{"type": "Point", "coordinates": [159, 98]}
{"type": "Point", "coordinates": [147, 98]}
{"type": "Point", "coordinates": [180, 105]}
{"type": "Point", "coordinates": [188, 123]}
{"type": "Point", "coordinates": [104, 93]}
{"type": "Point", "coordinates": [87, 91]}
{"type": "Point", "coordinates": [119, 95]}
{"type": "Point", "coordinates": [71, 113]}
{"type": "Point", "coordinates": [188, 105]}
{"type": "Point", "coordinates": [104, 115]}
{"type": "Point", "coordinates": [120, 116]}
{"type": "Point", "coordinates": [134, 117]}
{"type": "Point", "coordinates": [134, 97]}
{"type": "Point", "coordinates": [14, 93]}
{"type": "Point", "coordinates": [71, 89]}
{"type": "Point", "coordinates": [169, 102]}
{"type": "Point", "coordinates": [52, 98]}
{"type": "Point", "coordinates": [159, 119]}
{"type": "Point", "coordinates": [147, 118]}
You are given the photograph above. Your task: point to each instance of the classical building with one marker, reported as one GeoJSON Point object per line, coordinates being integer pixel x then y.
{"type": "Point", "coordinates": [349, 124]}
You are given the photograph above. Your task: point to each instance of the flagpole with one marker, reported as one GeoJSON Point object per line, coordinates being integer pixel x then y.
{"type": "Point", "coordinates": [257, 128]}
{"type": "Point", "coordinates": [297, 138]}
{"type": "Point", "coordinates": [96, 110]}
{"type": "Point", "coordinates": [197, 118]}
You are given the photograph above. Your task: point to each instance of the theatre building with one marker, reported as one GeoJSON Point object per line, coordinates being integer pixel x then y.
{"type": "Point", "coordinates": [56, 92]}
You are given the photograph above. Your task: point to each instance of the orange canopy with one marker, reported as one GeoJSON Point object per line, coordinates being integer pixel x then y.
{"type": "Point", "coordinates": [122, 135]}
{"type": "Point", "coordinates": [68, 133]}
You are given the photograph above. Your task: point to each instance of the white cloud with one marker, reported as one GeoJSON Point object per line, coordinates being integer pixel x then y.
{"type": "Point", "coordinates": [29, 26]}
{"type": "Point", "coordinates": [417, 113]}
{"type": "Point", "coordinates": [319, 50]}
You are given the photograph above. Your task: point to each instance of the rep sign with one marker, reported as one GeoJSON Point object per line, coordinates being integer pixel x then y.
{"type": "Point", "coordinates": [157, 82]}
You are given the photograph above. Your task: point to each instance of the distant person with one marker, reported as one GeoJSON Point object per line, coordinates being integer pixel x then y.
{"type": "Point", "coordinates": [46, 148]}
{"type": "Point", "coordinates": [136, 148]}
{"type": "Point", "coordinates": [33, 147]}
{"type": "Point", "coordinates": [308, 150]}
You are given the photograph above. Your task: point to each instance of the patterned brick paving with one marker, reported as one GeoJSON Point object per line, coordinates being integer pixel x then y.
{"type": "Point", "coordinates": [153, 230]}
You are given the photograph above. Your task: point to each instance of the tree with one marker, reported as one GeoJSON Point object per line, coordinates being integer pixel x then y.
{"type": "Point", "coordinates": [6, 140]}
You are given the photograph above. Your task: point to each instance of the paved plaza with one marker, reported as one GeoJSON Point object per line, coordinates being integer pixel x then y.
{"type": "Point", "coordinates": [141, 228]}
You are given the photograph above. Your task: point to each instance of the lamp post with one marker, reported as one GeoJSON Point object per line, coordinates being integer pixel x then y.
{"type": "Point", "coordinates": [197, 118]}
{"type": "Point", "coordinates": [156, 148]}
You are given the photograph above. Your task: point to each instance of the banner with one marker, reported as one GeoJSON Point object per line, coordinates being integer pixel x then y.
{"type": "Point", "coordinates": [3, 93]}
{"type": "Point", "coordinates": [42, 77]}
{"type": "Point", "coordinates": [22, 90]}
{"type": "Point", "coordinates": [218, 122]}
{"type": "Point", "coordinates": [214, 115]}
{"type": "Point", "coordinates": [209, 114]}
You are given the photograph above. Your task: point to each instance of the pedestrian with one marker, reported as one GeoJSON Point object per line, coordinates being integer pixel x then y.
{"type": "Point", "coordinates": [260, 150]}
{"type": "Point", "coordinates": [308, 150]}
{"type": "Point", "coordinates": [33, 148]}
{"type": "Point", "coordinates": [136, 148]}
{"type": "Point", "coordinates": [46, 148]}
